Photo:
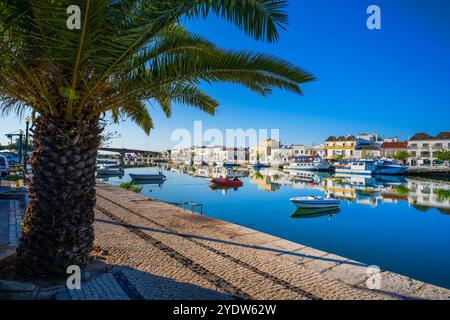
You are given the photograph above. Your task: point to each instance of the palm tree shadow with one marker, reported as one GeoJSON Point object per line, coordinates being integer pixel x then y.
{"type": "Point", "coordinates": [233, 243]}
{"type": "Point", "coordinates": [141, 285]}
{"type": "Point", "coordinates": [126, 283]}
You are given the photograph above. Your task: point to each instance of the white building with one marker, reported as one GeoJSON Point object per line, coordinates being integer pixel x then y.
{"type": "Point", "coordinates": [422, 148]}
{"type": "Point", "coordinates": [302, 150]}
{"type": "Point", "coordinates": [210, 155]}
{"type": "Point", "coordinates": [267, 152]}
{"type": "Point", "coordinates": [351, 147]}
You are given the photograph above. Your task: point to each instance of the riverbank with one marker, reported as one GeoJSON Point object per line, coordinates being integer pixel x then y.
{"type": "Point", "coordinates": [440, 173]}
{"type": "Point", "coordinates": [155, 250]}
{"type": "Point", "coordinates": [159, 251]}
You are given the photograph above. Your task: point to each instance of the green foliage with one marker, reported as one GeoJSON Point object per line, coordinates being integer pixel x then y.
{"type": "Point", "coordinates": [442, 155]}
{"type": "Point", "coordinates": [365, 154]}
{"type": "Point", "coordinates": [131, 187]}
{"type": "Point", "coordinates": [401, 155]}
{"type": "Point", "coordinates": [129, 54]}
{"type": "Point", "coordinates": [443, 194]}
{"type": "Point", "coordinates": [338, 157]}
{"type": "Point", "coordinates": [258, 176]}
{"type": "Point", "coordinates": [15, 177]}
{"type": "Point", "coordinates": [401, 190]}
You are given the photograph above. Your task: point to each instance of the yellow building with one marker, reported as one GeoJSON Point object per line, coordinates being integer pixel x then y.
{"type": "Point", "coordinates": [340, 146]}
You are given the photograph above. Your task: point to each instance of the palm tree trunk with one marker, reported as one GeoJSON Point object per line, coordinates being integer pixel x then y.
{"type": "Point", "coordinates": [58, 225]}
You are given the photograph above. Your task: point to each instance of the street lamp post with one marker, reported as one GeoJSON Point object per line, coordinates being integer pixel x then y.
{"type": "Point", "coordinates": [20, 146]}
{"type": "Point", "coordinates": [27, 122]}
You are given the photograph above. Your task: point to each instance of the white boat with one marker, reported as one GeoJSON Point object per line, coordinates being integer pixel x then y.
{"type": "Point", "coordinates": [373, 167]}
{"type": "Point", "coordinates": [315, 202]}
{"type": "Point", "coordinates": [309, 164]}
{"type": "Point", "coordinates": [148, 177]}
{"type": "Point", "coordinates": [105, 171]}
{"type": "Point", "coordinates": [363, 167]}
{"type": "Point", "coordinates": [385, 167]}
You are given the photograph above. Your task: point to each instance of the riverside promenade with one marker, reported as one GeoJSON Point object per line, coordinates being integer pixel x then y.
{"type": "Point", "coordinates": [153, 250]}
{"type": "Point", "coordinates": [159, 251]}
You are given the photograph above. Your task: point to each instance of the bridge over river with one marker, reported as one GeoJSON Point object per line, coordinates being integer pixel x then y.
{"type": "Point", "coordinates": [123, 151]}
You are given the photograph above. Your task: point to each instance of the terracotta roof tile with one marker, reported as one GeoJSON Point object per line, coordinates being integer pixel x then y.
{"type": "Point", "coordinates": [421, 136]}
{"type": "Point", "coordinates": [394, 145]}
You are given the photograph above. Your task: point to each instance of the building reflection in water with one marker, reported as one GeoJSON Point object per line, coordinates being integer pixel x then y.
{"type": "Point", "coordinates": [421, 194]}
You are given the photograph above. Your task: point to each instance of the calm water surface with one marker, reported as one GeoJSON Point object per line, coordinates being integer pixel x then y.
{"type": "Point", "coordinates": [401, 225]}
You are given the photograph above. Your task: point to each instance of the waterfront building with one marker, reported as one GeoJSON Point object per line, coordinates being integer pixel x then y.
{"type": "Point", "coordinates": [390, 148]}
{"type": "Point", "coordinates": [210, 155]}
{"type": "Point", "coordinates": [302, 150]}
{"type": "Point", "coordinates": [367, 152]}
{"type": "Point", "coordinates": [340, 146]}
{"type": "Point", "coordinates": [351, 147]}
{"type": "Point", "coordinates": [423, 148]}
{"type": "Point", "coordinates": [282, 155]}
{"type": "Point", "coordinates": [266, 152]}
{"type": "Point", "coordinates": [182, 155]}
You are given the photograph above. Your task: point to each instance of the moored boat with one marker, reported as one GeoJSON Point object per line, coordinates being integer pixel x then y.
{"type": "Point", "coordinates": [234, 182]}
{"type": "Point", "coordinates": [385, 167]}
{"type": "Point", "coordinates": [372, 167]}
{"type": "Point", "coordinates": [106, 171]}
{"type": "Point", "coordinates": [315, 202]}
{"type": "Point", "coordinates": [309, 164]}
{"type": "Point", "coordinates": [260, 165]}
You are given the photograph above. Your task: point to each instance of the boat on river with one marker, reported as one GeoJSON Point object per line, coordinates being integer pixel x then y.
{"type": "Point", "coordinates": [107, 171]}
{"type": "Point", "coordinates": [309, 164]}
{"type": "Point", "coordinates": [316, 202]}
{"type": "Point", "coordinates": [233, 182]}
{"type": "Point", "coordinates": [260, 165]}
{"type": "Point", "coordinates": [372, 167]}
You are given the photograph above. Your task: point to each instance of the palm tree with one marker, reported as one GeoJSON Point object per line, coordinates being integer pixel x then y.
{"type": "Point", "coordinates": [126, 55]}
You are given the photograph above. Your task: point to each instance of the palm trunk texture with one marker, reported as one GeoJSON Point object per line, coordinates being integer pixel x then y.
{"type": "Point", "coordinates": [57, 229]}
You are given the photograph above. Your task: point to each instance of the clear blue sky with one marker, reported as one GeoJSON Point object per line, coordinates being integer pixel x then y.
{"type": "Point", "coordinates": [395, 81]}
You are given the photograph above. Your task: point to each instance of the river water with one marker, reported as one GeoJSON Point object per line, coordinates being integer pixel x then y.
{"type": "Point", "coordinates": [400, 224]}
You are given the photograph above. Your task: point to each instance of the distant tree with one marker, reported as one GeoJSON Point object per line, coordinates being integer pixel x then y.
{"type": "Point", "coordinates": [366, 154]}
{"type": "Point", "coordinates": [401, 155]}
{"type": "Point", "coordinates": [443, 155]}
{"type": "Point", "coordinates": [338, 157]}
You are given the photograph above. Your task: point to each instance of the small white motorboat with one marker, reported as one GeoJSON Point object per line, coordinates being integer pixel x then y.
{"type": "Point", "coordinates": [105, 171]}
{"type": "Point", "coordinates": [316, 202]}
{"type": "Point", "coordinates": [148, 177]}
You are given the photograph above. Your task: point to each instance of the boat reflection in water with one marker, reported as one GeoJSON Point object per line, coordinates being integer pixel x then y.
{"type": "Point", "coordinates": [309, 213]}
{"type": "Point", "coordinates": [106, 177]}
{"type": "Point", "coordinates": [224, 189]}
{"type": "Point", "coordinates": [156, 183]}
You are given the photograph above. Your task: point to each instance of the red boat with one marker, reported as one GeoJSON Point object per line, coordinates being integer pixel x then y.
{"type": "Point", "coordinates": [235, 182]}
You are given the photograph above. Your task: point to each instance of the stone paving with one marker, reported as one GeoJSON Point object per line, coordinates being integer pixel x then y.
{"type": "Point", "coordinates": [160, 251]}
{"type": "Point", "coordinates": [11, 213]}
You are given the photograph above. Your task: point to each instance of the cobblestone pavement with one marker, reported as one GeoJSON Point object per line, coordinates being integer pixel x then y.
{"type": "Point", "coordinates": [11, 213]}
{"type": "Point", "coordinates": [162, 252]}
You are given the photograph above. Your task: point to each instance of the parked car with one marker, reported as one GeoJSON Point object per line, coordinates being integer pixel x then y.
{"type": "Point", "coordinates": [4, 165]}
{"type": "Point", "coordinates": [12, 159]}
